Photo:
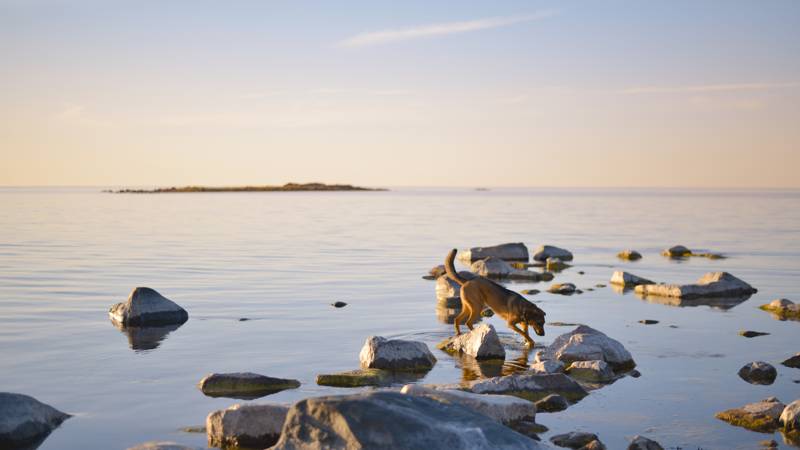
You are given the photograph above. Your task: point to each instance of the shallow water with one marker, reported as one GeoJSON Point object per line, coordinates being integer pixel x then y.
{"type": "Point", "coordinates": [280, 259]}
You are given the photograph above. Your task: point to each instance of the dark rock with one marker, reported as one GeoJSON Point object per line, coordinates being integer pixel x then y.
{"type": "Point", "coordinates": [648, 321]}
{"type": "Point", "coordinates": [549, 251]}
{"type": "Point", "coordinates": [243, 385]}
{"type": "Point", "coordinates": [562, 288]}
{"type": "Point", "coordinates": [752, 334]}
{"type": "Point", "coordinates": [678, 251]}
{"type": "Point", "coordinates": [339, 304]}
{"type": "Point", "coordinates": [642, 443]}
{"type": "Point", "coordinates": [26, 421]}
{"type": "Point", "coordinates": [629, 255]}
{"type": "Point", "coordinates": [574, 439]}
{"type": "Point", "coordinates": [794, 361]}
{"type": "Point", "coordinates": [552, 403]}
{"type": "Point", "coordinates": [758, 372]}
{"type": "Point", "coordinates": [145, 306]}
{"type": "Point", "coordinates": [368, 377]}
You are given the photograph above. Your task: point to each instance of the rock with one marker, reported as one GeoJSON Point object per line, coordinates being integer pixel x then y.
{"type": "Point", "coordinates": [761, 416]}
{"type": "Point", "coordinates": [367, 377]}
{"type": "Point", "coordinates": [549, 251]}
{"type": "Point", "coordinates": [437, 271]}
{"type": "Point", "coordinates": [447, 288]}
{"type": "Point", "coordinates": [502, 408]}
{"type": "Point", "coordinates": [562, 288]}
{"type": "Point", "coordinates": [145, 306]}
{"type": "Point", "coordinates": [790, 417]}
{"type": "Point", "coordinates": [556, 265]}
{"type": "Point", "coordinates": [548, 366]}
{"type": "Point", "coordinates": [783, 309]}
{"type": "Point", "coordinates": [392, 420]}
{"type": "Point", "coordinates": [547, 276]}
{"type": "Point", "coordinates": [497, 268]}
{"type": "Point", "coordinates": [161, 445]}
{"type": "Point", "coordinates": [529, 291]}
{"type": "Point", "coordinates": [508, 252]}
{"type": "Point", "coordinates": [482, 343]}
{"type": "Point", "coordinates": [794, 361]}
{"type": "Point", "coordinates": [339, 304]}
{"type": "Point", "coordinates": [25, 420]}
{"type": "Point", "coordinates": [530, 386]}
{"type": "Point", "coordinates": [712, 284]}
{"type": "Point", "coordinates": [244, 385]}
{"type": "Point", "coordinates": [648, 321]}
{"type": "Point", "coordinates": [598, 371]}
{"type": "Point", "coordinates": [593, 445]}
{"type": "Point", "coordinates": [621, 278]}
{"type": "Point", "coordinates": [256, 426]}
{"type": "Point", "coordinates": [677, 251]}
{"type": "Point", "coordinates": [528, 428]}
{"type": "Point", "coordinates": [752, 334]}
{"type": "Point", "coordinates": [574, 439]}
{"type": "Point", "coordinates": [629, 255]}
{"type": "Point", "coordinates": [642, 443]}
{"type": "Point", "coordinates": [587, 344]}
{"type": "Point", "coordinates": [635, 373]}
{"type": "Point", "coordinates": [552, 403]}
{"type": "Point", "coordinates": [395, 354]}
{"type": "Point", "coordinates": [758, 372]}
{"type": "Point", "coordinates": [771, 443]}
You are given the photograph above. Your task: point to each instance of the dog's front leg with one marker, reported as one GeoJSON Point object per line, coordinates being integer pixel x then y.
{"type": "Point", "coordinates": [524, 334]}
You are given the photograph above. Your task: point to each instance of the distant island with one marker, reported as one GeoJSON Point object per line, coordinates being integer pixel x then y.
{"type": "Point", "coordinates": [288, 187]}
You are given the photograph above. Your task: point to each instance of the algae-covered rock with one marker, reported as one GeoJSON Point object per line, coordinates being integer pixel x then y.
{"type": "Point", "coordinates": [629, 255]}
{"type": "Point", "coordinates": [783, 309]}
{"type": "Point", "coordinates": [243, 385]}
{"type": "Point", "coordinates": [760, 416]}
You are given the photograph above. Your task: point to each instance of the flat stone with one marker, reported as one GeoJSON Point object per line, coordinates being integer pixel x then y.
{"type": "Point", "coordinates": [562, 288]}
{"type": "Point", "coordinates": [712, 284]}
{"type": "Point", "coordinates": [509, 252]}
{"type": "Point", "coordinates": [481, 343]}
{"type": "Point", "coordinates": [549, 251]}
{"type": "Point", "coordinates": [629, 255]}
{"type": "Point", "coordinates": [621, 278]}
{"type": "Point", "coordinates": [552, 403]}
{"type": "Point", "coordinates": [758, 372]}
{"type": "Point", "coordinates": [597, 370]}
{"type": "Point", "coordinates": [243, 385]}
{"type": "Point", "coordinates": [643, 443]}
{"type": "Point", "coordinates": [530, 386]}
{"type": "Point", "coordinates": [502, 408]}
{"type": "Point", "coordinates": [790, 417]}
{"type": "Point", "coordinates": [574, 439]}
{"type": "Point", "coordinates": [794, 361]}
{"type": "Point", "coordinates": [760, 416]}
{"type": "Point", "coordinates": [367, 377]}
{"type": "Point", "coordinates": [251, 425]}
{"type": "Point", "coordinates": [587, 344]}
{"type": "Point", "coordinates": [25, 420]}
{"type": "Point", "coordinates": [145, 306]}
{"type": "Point", "coordinates": [393, 420]}
{"type": "Point", "coordinates": [395, 354]}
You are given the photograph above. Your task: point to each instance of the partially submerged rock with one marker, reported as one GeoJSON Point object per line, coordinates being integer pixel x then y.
{"type": "Point", "coordinates": [677, 251]}
{"type": "Point", "coordinates": [245, 385]}
{"type": "Point", "coordinates": [367, 377]}
{"type": "Point", "coordinates": [395, 354]}
{"type": "Point", "coordinates": [621, 278]}
{"type": "Point", "coordinates": [712, 284]}
{"type": "Point", "coordinates": [783, 309]}
{"type": "Point", "coordinates": [552, 403]}
{"type": "Point", "coordinates": [436, 272]}
{"type": "Point", "coordinates": [502, 408]}
{"type": "Point", "coordinates": [529, 291]}
{"type": "Point", "coordinates": [256, 426]}
{"type": "Point", "coordinates": [643, 443]}
{"type": "Point", "coordinates": [562, 288]}
{"type": "Point", "coordinates": [629, 255]}
{"type": "Point", "coordinates": [758, 372]}
{"type": "Point", "coordinates": [574, 439]}
{"type": "Point", "coordinates": [508, 252]}
{"type": "Point", "coordinates": [790, 417]}
{"type": "Point", "coordinates": [794, 361]}
{"type": "Point", "coordinates": [161, 445]}
{"type": "Point", "coordinates": [481, 342]}
{"type": "Point", "coordinates": [393, 420]}
{"type": "Point", "coordinates": [587, 344]}
{"type": "Point", "coordinates": [530, 386]}
{"type": "Point", "coordinates": [752, 334]}
{"type": "Point", "coordinates": [598, 371]}
{"type": "Point", "coordinates": [447, 288]}
{"type": "Point", "coordinates": [549, 251]}
{"type": "Point", "coordinates": [497, 268]}
{"type": "Point", "coordinates": [25, 420]}
{"type": "Point", "coordinates": [554, 264]}
{"type": "Point", "coordinates": [145, 306]}
{"type": "Point", "coordinates": [760, 416]}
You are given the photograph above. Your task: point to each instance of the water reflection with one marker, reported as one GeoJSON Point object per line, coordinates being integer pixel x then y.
{"type": "Point", "coordinates": [446, 314]}
{"type": "Point", "coordinates": [475, 369]}
{"type": "Point", "coordinates": [722, 303]}
{"type": "Point", "coordinates": [145, 338]}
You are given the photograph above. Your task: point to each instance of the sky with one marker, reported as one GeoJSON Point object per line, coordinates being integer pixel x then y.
{"type": "Point", "coordinates": [413, 93]}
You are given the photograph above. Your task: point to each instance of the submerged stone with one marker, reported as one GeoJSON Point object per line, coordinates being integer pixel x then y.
{"type": "Point", "coordinates": [598, 371]}
{"type": "Point", "coordinates": [574, 439]}
{"type": "Point", "coordinates": [677, 251]}
{"type": "Point", "coordinates": [758, 372]}
{"type": "Point", "coordinates": [562, 288]}
{"type": "Point", "coordinates": [783, 309]}
{"type": "Point", "coordinates": [530, 386]}
{"type": "Point", "coordinates": [502, 408]}
{"type": "Point", "coordinates": [752, 334]}
{"type": "Point", "coordinates": [793, 361]}
{"type": "Point", "coordinates": [367, 377]}
{"type": "Point", "coordinates": [552, 403]}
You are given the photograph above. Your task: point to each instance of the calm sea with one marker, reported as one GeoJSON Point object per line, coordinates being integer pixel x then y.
{"type": "Point", "coordinates": [280, 259]}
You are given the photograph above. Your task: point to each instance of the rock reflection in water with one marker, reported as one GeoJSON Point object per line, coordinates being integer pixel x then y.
{"type": "Point", "coordinates": [445, 314]}
{"type": "Point", "coordinates": [475, 369]}
{"type": "Point", "coordinates": [145, 338]}
{"type": "Point", "coordinates": [722, 303]}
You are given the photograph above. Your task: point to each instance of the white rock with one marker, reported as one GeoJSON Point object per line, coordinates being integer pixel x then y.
{"type": "Point", "coordinates": [790, 417]}
{"type": "Point", "coordinates": [481, 343]}
{"type": "Point", "coordinates": [587, 344]}
{"type": "Point", "coordinates": [502, 408]}
{"type": "Point", "coordinates": [256, 426]}
{"type": "Point", "coordinates": [145, 306]}
{"type": "Point", "coordinates": [591, 370]}
{"type": "Point", "coordinates": [710, 285]}
{"type": "Point", "coordinates": [497, 268]}
{"type": "Point", "coordinates": [621, 278]}
{"type": "Point", "coordinates": [509, 252]}
{"type": "Point", "coordinates": [395, 354]}
{"type": "Point", "coordinates": [548, 251]}
{"type": "Point", "coordinates": [24, 419]}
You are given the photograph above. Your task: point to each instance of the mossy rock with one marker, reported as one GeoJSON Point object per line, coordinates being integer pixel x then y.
{"type": "Point", "coordinates": [367, 377]}
{"type": "Point", "coordinates": [736, 417]}
{"type": "Point", "coordinates": [782, 313]}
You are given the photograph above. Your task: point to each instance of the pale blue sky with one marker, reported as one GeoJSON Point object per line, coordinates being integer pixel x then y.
{"type": "Point", "coordinates": [613, 93]}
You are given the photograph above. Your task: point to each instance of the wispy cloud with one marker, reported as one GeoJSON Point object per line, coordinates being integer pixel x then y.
{"type": "Point", "coordinates": [440, 29]}
{"type": "Point", "coordinates": [708, 88]}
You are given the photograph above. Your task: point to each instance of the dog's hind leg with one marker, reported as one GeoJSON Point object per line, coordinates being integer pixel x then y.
{"type": "Point", "coordinates": [465, 309]}
{"type": "Point", "coordinates": [524, 334]}
{"type": "Point", "coordinates": [474, 313]}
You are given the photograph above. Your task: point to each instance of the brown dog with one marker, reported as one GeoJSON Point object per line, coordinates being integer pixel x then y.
{"type": "Point", "coordinates": [509, 305]}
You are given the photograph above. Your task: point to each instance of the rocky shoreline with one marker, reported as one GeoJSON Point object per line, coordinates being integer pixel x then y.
{"type": "Point", "coordinates": [288, 187]}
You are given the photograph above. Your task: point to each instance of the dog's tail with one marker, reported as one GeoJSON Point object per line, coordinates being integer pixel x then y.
{"type": "Point", "coordinates": [451, 269]}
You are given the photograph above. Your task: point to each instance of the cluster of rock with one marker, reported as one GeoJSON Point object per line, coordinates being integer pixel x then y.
{"type": "Point", "coordinates": [767, 415]}
{"type": "Point", "coordinates": [783, 309]}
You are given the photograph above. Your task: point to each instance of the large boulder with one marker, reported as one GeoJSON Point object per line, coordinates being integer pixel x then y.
{"type": "Point", "coordinates": [530, 386]}
{"type": "Point", "coordinates": [760, 416]}
{"type": "Point", "coordinates": [783, 309]}
{"type": "Point", "coordinates": [626, 279]}
{"type": "Point", "coordinates": [712, 284]}
{"type": "Point", "coordinates": [574, 439]}
{"type": "Point", "coordinates": [243, 385]}
{"type": "Point", "coordinates": [145, 307]}
{"type": "Point", "coordinates": [393, 420]}
{"type": "Point", "coordinates": [587, 344]}
{"type": "Point", "coordinates": [509, 252]}
{"type": "Point", "coordinates": [482, 342]}
{"type": "Point", "coordinates": [502, 408]}
{"type": "Point", "coordinates": [25, 420]}
{"type": "Point", "coordinates": [497, 268]}
{"type": "Point", "coordinates": [256, 426]}
{"type": "Point", "coordinates": [598, 371]}
{"type": "Point", "coordinates": [643, 443]}
{"type": "Point", "coordinates": [790, 417]}
{"type": "Point", "coordinates": [549, 251]}
{"type": "Point", "coordinates": [395, 354]}
{"type": "Point", "coordinates": [758, 372]}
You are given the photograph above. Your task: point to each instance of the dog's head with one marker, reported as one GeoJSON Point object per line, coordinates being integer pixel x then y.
{"type": "Point", "coordinates": [535, 318]}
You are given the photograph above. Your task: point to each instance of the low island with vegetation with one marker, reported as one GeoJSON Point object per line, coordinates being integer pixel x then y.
{"type": "Point", "coordinates": [288, 187]}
